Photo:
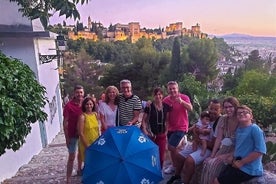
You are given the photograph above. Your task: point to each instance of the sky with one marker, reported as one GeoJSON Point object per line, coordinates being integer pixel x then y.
{"type": "Point", "coordinates": [215, 17]}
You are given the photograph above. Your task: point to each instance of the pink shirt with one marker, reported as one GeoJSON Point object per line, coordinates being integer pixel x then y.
{"type": "Point", "coordinates": [178, 116]}
{"type": "Point", "coordinates": [72, 111]}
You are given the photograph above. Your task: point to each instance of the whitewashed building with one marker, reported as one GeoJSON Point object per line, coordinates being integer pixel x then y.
{"type": "Point", "coordinates": [27, 40]}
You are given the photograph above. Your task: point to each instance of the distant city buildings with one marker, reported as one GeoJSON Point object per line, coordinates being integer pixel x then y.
{"type": "Point", "coordinates": [132, 31]}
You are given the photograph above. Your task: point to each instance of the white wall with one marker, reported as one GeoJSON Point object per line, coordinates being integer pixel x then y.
{"type": "Point", "coordinates": [27, 50]}
{"type": "Point", "coordinates": [10, 14]}
{"type": "Point", "coordinates": [49, 77]}
{"type": "Point", "coordinates": [11, 161]}
{"type": "Point", "coordinates": [22, 49]}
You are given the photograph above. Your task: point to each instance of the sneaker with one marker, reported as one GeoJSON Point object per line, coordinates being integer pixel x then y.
{"type": "Point", "coordinates": [169, 170]}
{"type": "Point", "coordinates": [173, 178]}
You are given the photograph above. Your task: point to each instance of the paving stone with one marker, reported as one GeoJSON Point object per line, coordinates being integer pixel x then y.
{"type": "Point", "coordinates": [49, 166]}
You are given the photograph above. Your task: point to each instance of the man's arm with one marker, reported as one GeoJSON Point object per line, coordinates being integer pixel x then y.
{"type": "Point", "coordinates": [135, 117]}
{"type": "Point", "coordinates": [187, 105]}
{"type": "Point", "coordinates": [65, 129]}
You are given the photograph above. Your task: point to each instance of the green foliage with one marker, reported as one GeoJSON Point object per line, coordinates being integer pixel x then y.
{"type": "Point", "coordinates": [21, 101]}
{"type": "Point", "coordinates": [264, 108]}
{"type": "Point", "coordinates": [144, 69]}
{"type": "Point", "coordinates": [230, 82]}
{"type": "Point", "coordinates": [223, 48]}
{"type": "Point", "coordinates": [59, 29]}
{"type": "Point", "coordinates": [82, 69]}
{"type": "Point", "coordinates": [270, 153]}
{"type": "Point", "coordinates": [203, 59]}
{"type": "Point", "coordinates": [254, 61]}
{"type": "Point", "coordinates": [197, 92]}
{"type": "Point", "coordinates": [176, 64]}
{"type": "Point", "coordinates": [254, 82]}
{"type": "Point", "coordinates": [42, 9]}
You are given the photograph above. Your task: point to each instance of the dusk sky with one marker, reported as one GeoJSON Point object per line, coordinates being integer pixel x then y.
{"type": "Point", "coordinates": [253, 17]}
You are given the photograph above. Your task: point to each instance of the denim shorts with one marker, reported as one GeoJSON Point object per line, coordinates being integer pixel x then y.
{"type": "Point", "coordinates": [73, 145]}
{"type": "Point", "coordinates": [174, 137]}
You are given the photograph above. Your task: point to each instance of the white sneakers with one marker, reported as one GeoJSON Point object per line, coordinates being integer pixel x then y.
{"type": "Point", "coordinates": [169, 170]}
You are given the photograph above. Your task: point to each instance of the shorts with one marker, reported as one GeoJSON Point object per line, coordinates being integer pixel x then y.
{"type": "Point", "coordinates": [73, 145]}
{"type": "Point", "coordinates": [175, 137]}
{"type": "Point", "coordinates": [198, 159]}
{"type": "Point", "coordinates": [233, 175]}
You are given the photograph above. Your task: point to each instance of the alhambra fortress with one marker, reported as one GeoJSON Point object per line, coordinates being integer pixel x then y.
{"type": "Point", "coordinates": [132, 31]}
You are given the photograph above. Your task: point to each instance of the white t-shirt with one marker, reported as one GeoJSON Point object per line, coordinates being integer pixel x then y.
{"type": "Point", "coordinates": [108, 113]}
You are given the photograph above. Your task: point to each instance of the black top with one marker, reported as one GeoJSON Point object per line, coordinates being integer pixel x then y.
{"type": "Point", "coordinates": [157, 118]}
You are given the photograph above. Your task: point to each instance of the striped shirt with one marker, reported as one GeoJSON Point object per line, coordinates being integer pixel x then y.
{"type": "Point", "coordinates": [126, 108]}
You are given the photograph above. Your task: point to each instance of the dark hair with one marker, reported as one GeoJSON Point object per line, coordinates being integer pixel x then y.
{"type": "Point", "coordinates": [86, 99]}
{"type": "Point", "coordinates": [215, 101]}
{"type": "Point", "coordinates": [232, 100]}
{"type": "Point", "coordinates": [205, 114]}
{"type": "Point", "coordinates": [78, 87]}
{"type": "Point", "coordinates": [156, 90]}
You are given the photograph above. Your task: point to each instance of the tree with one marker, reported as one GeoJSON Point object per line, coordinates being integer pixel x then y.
{"type": "Point", "coordinates": [230, 81]}
{"type": "Point", "coordinates": [175, 65]}
{"type": "Point", "coordinates": [21, 101]}
{"type": "Point", "coordinates": [203, 59]}
{"type": "Point", "coordinates": [258, 91]}
{"type": "Point", "coordinates": [81, 69]}
{"type": "Point", "coordinates": [254, 61]}
{"type": "Point", "coordinates": [198, 94]}
{"type": "Point", "coordinates": [42, 9]}
{"type": "Point", "coordinates": [254, 82]}
{"type": "Point", "coordinates": [264, 108]}
{"type": "Point", "coordinates": [79, 26]}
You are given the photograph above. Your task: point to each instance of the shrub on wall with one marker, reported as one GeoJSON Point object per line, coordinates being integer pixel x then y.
{"type": "Point", "coordinates": [21, 101]}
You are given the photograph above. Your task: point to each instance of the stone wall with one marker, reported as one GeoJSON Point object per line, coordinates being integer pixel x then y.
{"type": "Point", "coordinates": [267, 178]}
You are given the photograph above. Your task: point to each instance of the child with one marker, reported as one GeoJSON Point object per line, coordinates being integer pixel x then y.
{"type": "Point", "coordinates": [201, 139]}
{"type": "Point", "coordinates": [246, 162]}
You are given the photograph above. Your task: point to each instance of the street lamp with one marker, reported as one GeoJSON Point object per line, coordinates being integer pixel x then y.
{"type": "Point", "coordinates": [61, 44]}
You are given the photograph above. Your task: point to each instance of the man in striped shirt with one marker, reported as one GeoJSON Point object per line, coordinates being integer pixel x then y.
{"type": "Point", "coordinates": [129, 105]}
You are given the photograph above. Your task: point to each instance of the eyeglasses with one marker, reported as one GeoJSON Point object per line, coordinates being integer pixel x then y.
{"type": "Point", "coordinates": [243, 113]}
{"type": "Point", "coordinates": [125, 87]}
{"type": "Point", "coordinates": [228, 107]}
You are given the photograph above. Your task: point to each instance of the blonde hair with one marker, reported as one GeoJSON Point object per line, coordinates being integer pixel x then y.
{"type": "Point", "coordinates": [107, 90]}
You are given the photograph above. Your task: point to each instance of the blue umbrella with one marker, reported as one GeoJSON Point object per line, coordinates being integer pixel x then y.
{"type": "Point", "coordinates": [122, 155]}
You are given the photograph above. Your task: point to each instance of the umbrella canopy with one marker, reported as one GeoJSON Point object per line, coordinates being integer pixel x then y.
{"type": "Point", "coordinates": [122, 155]}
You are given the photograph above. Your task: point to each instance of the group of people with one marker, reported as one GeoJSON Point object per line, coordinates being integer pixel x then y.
{"type": "Point", "coordinates": [235, 145]}
{"type": "Point", "coordinates": [218, 139]}
{"type": "Point", "coordinates": [86, 118]}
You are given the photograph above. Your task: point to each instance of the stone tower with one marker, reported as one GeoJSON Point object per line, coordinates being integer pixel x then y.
{"type": "Point", "coordinates": [89, 23]}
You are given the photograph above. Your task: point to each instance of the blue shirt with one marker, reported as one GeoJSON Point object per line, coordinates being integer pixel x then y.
{"type": "Point", "coordinates": [250, 139]}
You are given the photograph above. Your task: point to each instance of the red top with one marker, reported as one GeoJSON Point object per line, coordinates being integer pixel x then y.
{"type": "Point", "coordinates": [178, 116]}
{"type": "Point", "coordinates": [72, 111]}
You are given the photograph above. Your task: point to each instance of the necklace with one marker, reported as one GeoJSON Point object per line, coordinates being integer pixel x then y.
{"type": "Point", "coordinates": [159, 108]}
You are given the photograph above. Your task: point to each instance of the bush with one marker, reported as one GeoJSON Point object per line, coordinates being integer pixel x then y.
{"type": "Point", "coordinates": [264, 108]}
{"type": "Point", "coordinates": [21, 101]}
